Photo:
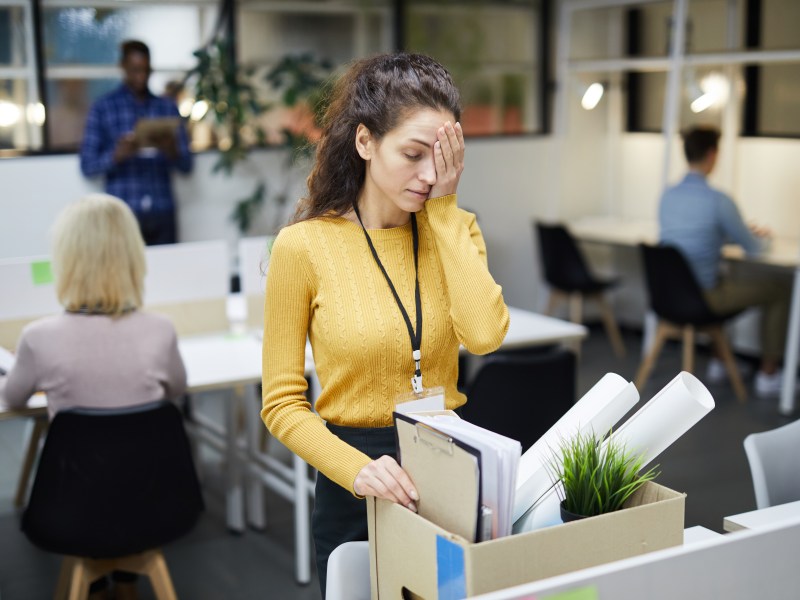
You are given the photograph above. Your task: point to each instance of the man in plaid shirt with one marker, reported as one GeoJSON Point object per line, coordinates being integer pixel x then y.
{"type": "Point", "coordinates": [139, 176]}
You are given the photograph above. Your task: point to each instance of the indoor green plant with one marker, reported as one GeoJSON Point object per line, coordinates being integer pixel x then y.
{"type": "Point", "coordinates": [596, 477]}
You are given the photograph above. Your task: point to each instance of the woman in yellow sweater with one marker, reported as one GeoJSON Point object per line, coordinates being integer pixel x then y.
{"type": "Point", "coordinates": [385, 275]}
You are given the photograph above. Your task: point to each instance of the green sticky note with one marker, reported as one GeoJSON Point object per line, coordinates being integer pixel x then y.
{"type": "Point", "coordinates": [584, 593]}
{"type": "Point", "coordinates": [41, 272]}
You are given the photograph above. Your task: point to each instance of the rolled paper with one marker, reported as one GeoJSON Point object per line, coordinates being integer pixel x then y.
{"type": "Point", "coordinates": [599, 410]}
{"type": "Point", "coordinates": [670, 413]}
{"type": "Point", "coordinates": [651, 430]}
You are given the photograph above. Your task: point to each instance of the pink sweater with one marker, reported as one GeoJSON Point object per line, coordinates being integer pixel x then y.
{"type": "Point", "coordinates": [96, 361]}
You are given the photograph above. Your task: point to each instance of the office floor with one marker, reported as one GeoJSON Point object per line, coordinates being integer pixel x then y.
{"type": "Point", "coordinates": [708, 463]}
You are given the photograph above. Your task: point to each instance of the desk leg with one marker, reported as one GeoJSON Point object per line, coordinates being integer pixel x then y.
{"type": "Point", "coordinates": [256, 516]}
{"type": "Point", "coordinates": [302, 525]}
{"type": "Point", "coordinates": [649, 333]}
{"type": "Point", "coordinates": [35, 437]}
{"type": "Point", "coordinates": [786, 406]}
{"type": "Point", "coordinates": [234, 500]}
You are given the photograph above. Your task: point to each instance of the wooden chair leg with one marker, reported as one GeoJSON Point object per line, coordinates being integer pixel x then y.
{"type": "Point", "coordinates": [576, 308]}
{"type": "Point", "coordinates": [64, 578]}
{"type": "Point", "coordinates": [553, 300]}
{"type": "Point", "coordinates": [724, 349]}
{"type": "Point", "coordinates": [159, 577]}
{"type": "Point", "coordinates": [39, 428]}
{"type": "Point", "coordinates": [647, 364]}
{"type": "Point", "coordinates": [688, 348]}
{"type": "Point", "coordinates": [79, 581]}
{"type": "Point", "coordinates": [610, 324]}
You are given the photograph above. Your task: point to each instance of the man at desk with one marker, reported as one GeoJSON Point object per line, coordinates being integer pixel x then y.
{"type": "Point", "coordinates": [699, 220]}
{"type": "Point", "coordinates": [136, 169]}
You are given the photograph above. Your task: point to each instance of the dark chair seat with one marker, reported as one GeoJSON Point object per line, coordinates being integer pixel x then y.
{"type": "Point", "coordinates": [113, 484]}
{"type": "Point", "coordinates": [522, 396]}
{"type": "Point", "coordinates": [569, 278]}
{"type": "Point", "coordinates": [677, 299]}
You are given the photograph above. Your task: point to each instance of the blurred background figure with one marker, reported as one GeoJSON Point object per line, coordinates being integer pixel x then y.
{"type": "Point", "coordinates": [137, 170]}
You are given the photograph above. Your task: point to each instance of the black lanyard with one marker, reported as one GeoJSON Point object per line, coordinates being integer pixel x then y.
{"type": "Point", "coordinates": [416, 338]}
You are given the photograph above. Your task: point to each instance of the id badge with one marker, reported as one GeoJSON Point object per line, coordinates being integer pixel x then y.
{"type": "Point", "coordinates": [427, 399]}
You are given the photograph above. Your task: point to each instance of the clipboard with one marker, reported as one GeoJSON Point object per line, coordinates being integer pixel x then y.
{"type": "Point", "coordinates": [446, 473]}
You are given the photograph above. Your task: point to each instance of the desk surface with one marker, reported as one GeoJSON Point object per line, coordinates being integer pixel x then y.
{"type": "Point", "coordinates": [223, 360]}
{"type": "Point", "coordinates": [757, 519]}
{"type": "Point", "coordinates": [784, 252]}
{"type": "Point", "coordinates": [533, 329]}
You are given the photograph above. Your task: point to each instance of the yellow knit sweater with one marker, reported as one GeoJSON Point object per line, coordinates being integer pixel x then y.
{"type": "Point", "coordinates": [323, 283]}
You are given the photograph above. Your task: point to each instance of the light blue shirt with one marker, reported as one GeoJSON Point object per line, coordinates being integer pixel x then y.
{"type": "Point", "coordinates": [699, 220]}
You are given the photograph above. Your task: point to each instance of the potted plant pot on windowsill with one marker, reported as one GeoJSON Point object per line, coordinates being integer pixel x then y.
{"type": "Point", "coordinates": [596, 477]}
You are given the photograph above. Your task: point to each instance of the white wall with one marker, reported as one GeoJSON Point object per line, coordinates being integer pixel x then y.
{"type": "Point", "coordinates": [507, 181]}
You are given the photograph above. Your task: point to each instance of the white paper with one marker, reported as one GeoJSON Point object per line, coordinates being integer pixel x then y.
{"type": "Point", "coordinates": [670, 413]}
{"type": "Point", "coordinates": [499, 462]}
{"type": "Point", "coordinates": [599, 410]}
{"type": "Point", "coordinates": [425, 404]}
{"type": "Point", "coordinates": [655, 426]}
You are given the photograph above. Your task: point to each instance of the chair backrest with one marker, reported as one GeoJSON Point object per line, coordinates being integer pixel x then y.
{"type": "Point", "coordinates": [672, 288]}
{"type": "Point", "coordinates": [522, 396]}
{"type": "Point", "coordinates": [774, 465]}
{"type": "Point", "coordinates": [348, 572]}
{"type": "Point", "coordinates": [562, 261]}
{"type": "Point", "coordinates": [113, 482]}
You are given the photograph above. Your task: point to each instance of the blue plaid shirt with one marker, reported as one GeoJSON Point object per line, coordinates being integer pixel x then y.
{"type": "Point", "coordinates": [141, 181]}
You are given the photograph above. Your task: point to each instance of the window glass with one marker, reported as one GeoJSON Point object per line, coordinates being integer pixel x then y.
{"type": "Point", "coordinates": [778, 104]}
{"type": "Point", "coordinates": [779, 24]}
{"type": "Point", "coordinates": [492, 51]}
{"type": "Point", "coordinates": [21, 118]}
{"type": "Point", "coordinates": [12, 37]}
{"type": "Point", "coordinates": [69, 101]}
{"type": "Point", "coordinates": [91, 36]}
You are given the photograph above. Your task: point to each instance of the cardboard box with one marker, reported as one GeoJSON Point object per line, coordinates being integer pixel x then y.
{"type": "Point", "coordinates": [411, 557]}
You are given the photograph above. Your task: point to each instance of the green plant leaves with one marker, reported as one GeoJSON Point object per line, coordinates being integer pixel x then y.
{"type": "Point", "coordinates": [597, 478]}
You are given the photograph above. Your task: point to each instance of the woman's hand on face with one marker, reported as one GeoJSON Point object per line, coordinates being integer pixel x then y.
{"type": "Point", "coordinates": [384, 478]}
{"type": "Point", "coordinates": [448, 157]}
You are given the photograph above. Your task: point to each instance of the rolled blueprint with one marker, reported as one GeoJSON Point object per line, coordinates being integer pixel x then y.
{"type": "Point", "coordinates": [655, 426]}
{"type": "Point", "coordinates": [599, 410]}
{"type": "Point", "coordinates": [670, 413]}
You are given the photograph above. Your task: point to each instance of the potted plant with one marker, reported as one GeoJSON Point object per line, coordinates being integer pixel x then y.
{"type": "Point", "coordinates": [595, 477]}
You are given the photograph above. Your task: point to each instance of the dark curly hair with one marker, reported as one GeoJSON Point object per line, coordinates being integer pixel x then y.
{"type": "Point", "coordinates": [379, 92]}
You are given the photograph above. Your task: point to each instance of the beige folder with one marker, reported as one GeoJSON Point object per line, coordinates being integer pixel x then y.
{"type": "Point", "coordinates": [446, 474]}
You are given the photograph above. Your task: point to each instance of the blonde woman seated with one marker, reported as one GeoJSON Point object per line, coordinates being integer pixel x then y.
{"type": "Point", "coordinates": [102, 351]}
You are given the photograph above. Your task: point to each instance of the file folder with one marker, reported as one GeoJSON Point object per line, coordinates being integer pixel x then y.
{"type": "Point", "coordinates": [446, 473]}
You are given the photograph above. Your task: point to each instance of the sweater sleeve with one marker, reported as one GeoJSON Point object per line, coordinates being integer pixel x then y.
{"type": "Point", "coordinates": [285, 410]}
{"type": "Point", "coordinates": [477, 309]}
{"type": "Point", "coordinates": [21, 382]}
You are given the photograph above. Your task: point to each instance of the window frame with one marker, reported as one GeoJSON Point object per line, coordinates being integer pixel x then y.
{"type": "Point", "coordinates": [38, 74]}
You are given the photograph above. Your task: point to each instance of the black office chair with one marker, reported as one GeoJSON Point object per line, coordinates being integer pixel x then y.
{"type": "Point", "coordinates": [521, 397]}
{"type": "Point", "coordinates": [678, 301]}
{"type": "Point", "coordinates": [111, 488]}
{"type": "Point", "coordinates": [570, 280]}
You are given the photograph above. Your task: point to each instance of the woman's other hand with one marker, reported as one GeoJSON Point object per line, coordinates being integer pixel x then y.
{"type": "Point", "coordinates": [448, 158]}
{"type": "Point", "coordinates": [384, 478]}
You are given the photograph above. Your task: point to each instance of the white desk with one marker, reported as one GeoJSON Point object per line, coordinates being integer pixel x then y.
{"type": "Point", "coordinates": [783, 252]}
{"type": "Point", "coordinates": [528, 329]}
{"type": "Point", "coordinates": [765, 517]}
